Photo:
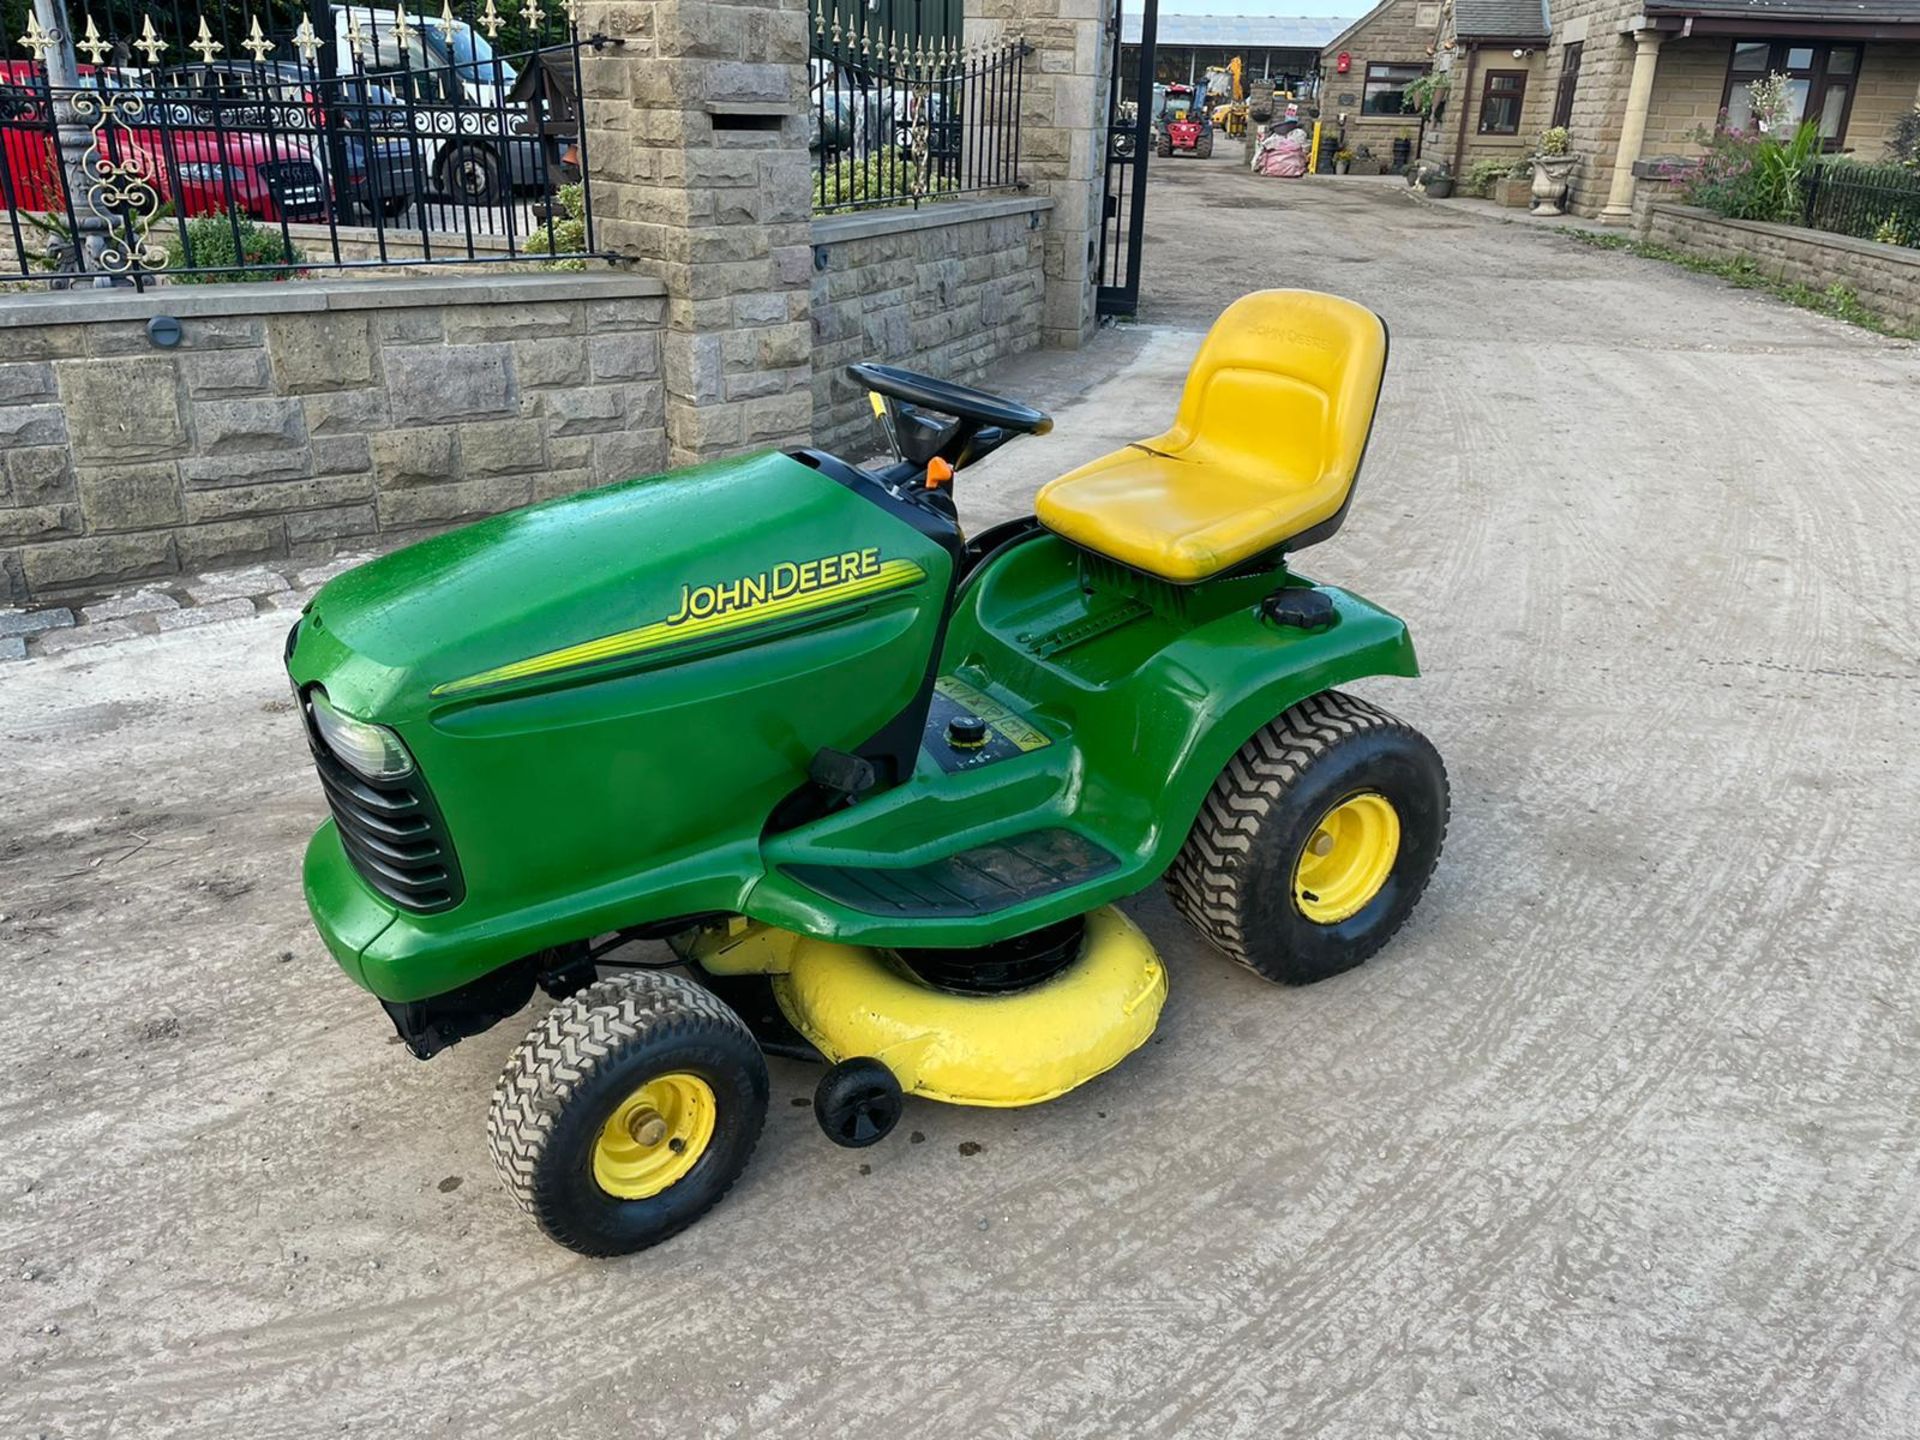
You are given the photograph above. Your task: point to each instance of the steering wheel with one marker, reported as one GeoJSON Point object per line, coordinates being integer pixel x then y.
{"type": "Point", "coordinates": [976, 409]}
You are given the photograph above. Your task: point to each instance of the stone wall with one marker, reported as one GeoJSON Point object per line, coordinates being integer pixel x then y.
{"type": "Point", "coordinates": [949, 289]}
{"type": "Point", "coordinates": [1599, 97]}
{"type": "Point", "coordinates": [1401, 32]}
{"type": "Point", "coordinates": [291, 420]}
{"type": "Point", "coordinates": [1063, 139]}
{"type": "Point", "coordinates": [1460, 128]}
{"type": "Point", "coordinates": [1885, 277]}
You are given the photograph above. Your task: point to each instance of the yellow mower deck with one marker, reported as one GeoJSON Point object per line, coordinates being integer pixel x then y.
{"type": "Point", "coordinates": [990, 1050]}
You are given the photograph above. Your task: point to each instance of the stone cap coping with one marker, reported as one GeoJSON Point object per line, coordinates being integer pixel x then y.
{"type": "Point", "coordinates": [294, 297]}
{"type": "Point", "coordinates": [865, 224]}
{"type": "Point", "coordinates": [1871, 249]}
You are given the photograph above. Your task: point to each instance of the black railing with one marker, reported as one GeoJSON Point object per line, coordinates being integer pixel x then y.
{"type": "Point", "coordinates": [902, 109]}
{"type": "Point", "coordinates": [1872, 202]}
{"type": "Point", "coordinates": [243, 144]}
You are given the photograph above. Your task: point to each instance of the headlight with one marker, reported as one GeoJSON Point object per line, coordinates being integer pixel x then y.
{"type": "Point", "coordinates": [204, 173]}
{"type": "Point", "coordinates": [372, 750]}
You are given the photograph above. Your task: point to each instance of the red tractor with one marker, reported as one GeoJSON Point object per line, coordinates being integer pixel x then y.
{"type": "Point", "coordinates": [1183, 125]}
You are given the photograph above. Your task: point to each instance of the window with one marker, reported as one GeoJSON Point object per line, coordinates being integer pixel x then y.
{"type": "Point", "coordinates": [1569, 82]}
{"type": "Point", "coordinates": [1500, 102]}
{"type": "Point", "coordinates": [1820, 82]}
{"type": "Point", "coordinates": [1385, 90]}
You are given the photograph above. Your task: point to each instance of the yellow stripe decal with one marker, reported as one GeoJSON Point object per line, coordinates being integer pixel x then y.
{"type": "Point", "coordinates": [892, 575]}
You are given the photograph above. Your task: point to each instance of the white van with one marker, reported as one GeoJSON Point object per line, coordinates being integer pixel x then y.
{"type": "Point", "coordinates": [480, 145]}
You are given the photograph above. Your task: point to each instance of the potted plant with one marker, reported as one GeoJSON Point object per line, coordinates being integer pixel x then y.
{"type": "Point", "coordinates": [1342, 161]}
{"type": "Point", "coordinates": [1514, 189]}
{"type": "Point", "coordinates": [1552, 165]}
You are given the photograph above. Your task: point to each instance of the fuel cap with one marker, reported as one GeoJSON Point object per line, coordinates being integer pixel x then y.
{"type": "Point", "coordinates": [966, 732]}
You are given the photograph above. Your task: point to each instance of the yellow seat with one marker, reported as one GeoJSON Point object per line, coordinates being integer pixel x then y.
{"type": "Point", "coordinates": [1265, 449]}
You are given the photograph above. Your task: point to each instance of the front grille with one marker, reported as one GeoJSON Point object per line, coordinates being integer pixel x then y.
{"type": "Point", "coordinates": [393, 834]}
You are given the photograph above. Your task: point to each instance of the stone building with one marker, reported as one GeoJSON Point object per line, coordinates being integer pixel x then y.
{"type": "Point", "coordinates": [1630, 79]}
{"type": "Point", "coordinates": [1366, 68]}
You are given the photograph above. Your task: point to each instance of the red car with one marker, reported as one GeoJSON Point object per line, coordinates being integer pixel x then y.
{"type": "Point", "coordinates": [200, 171]}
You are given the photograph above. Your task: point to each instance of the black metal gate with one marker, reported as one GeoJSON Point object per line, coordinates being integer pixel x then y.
{"type": "Point", "coordinates": [1129, 132]}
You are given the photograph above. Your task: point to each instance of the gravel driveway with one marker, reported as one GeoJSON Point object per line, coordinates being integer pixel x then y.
{"type": "Point", "coordinates": [1620, 1137]}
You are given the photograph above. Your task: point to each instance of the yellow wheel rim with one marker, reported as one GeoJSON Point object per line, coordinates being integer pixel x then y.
{"type": "Point", "coordinates": [654, 1137]}
{"type": "Point", "coordinates": [1347, 859]}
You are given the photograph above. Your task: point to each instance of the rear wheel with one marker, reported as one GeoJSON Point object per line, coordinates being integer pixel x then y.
{"type": "Point", "coordinates": [1316, 841]}
{"type": "Point", "coordinates": [471, 175]}
{"type": "Point", "coordinates": [627, 1112]}
{"type": "Point", "coordinates": [1164, 147]}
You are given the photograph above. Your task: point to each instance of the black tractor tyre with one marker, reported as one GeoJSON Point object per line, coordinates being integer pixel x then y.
{"type": "Point", "coordinates": [1164, 147]}
{"type": "Point", "coordinates": [578, 1065]}
{"type": "Point", "coordinates": [1234, 878]}
{"type": "Point", "coordinates": [1203, 147]}
{"type": "Point", "coordinates": [471, 175]}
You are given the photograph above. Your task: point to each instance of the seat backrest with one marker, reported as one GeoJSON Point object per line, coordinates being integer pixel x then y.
{"type": "Point", "coordinates": [1284, 389]}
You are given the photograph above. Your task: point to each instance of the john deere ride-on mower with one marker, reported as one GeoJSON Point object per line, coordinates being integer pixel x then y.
{"type": "Point", "coordinates": [877, 783]}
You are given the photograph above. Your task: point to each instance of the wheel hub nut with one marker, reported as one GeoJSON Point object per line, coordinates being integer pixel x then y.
{"type": "Point", "coordinates": [647, 1127]}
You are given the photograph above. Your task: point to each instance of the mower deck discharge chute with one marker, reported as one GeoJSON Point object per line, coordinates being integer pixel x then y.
{"type": "Point", "coordinates": [877, 783]}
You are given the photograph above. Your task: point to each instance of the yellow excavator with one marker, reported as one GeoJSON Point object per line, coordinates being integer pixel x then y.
{"type": "Point", "coordinates": [1224, 84]}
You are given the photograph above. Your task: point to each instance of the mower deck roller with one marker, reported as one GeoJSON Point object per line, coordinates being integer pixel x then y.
{"type": "Point", "coordinates": [879, 782]}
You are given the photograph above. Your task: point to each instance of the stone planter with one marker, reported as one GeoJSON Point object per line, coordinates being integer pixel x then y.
{"type": "Point", "coordinates": [1550, 173]}
{"type": "Point", "coordinates": [1513, 191]}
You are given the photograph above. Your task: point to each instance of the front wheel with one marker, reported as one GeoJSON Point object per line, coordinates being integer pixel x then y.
{"type": "Point", "coordinates": [627, 1112]}
{"type": "Point", "coordinates": [1203, 147]}
{"type": "Point", "coordinates": [1316, 841]}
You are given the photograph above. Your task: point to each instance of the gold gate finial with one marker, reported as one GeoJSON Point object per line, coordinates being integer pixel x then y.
{"type": "Point", "coordinates": [356, 37]}
{"type": "Point", "coordinates": [532, 14]}
{"type": "Point", "coordinates": [403, 29]}
{"type": "Point", "coordinates": [206, 45]}
{"type": "Point", "coordinates": [256, 44]}
{"type": "Point", "coordinates": [92, 45]}
{"type": "Point", "coordinates": [490, 20]}
{"type": "Point", "coordinates": [37, 40]}
{"type": "Point", "coordinates": [306, 42]}
{"type": "Point", "coordinates": [150, 41]}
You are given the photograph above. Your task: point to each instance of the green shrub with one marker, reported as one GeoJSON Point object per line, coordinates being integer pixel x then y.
{"type": "Point", "coordinates": [568, 231]}
{"type": "Point", "coordinates": [1903, 141]}
{"type": "Point", "coordinates": [884, 175]}
{"type": "Point", "coordinates": [213, 241]}
{"type": "Point", "coordinates": [1755, 177]}
{"type": "Point", "coordinates": [1479, 177]}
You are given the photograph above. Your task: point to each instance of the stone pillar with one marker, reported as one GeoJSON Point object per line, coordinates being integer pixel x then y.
{"type": "Point", "coordinates": [696, 154]}
{"type": "Point", "coordinates": [1063, 119]}
{"type": "Point", "coordinates": [1633, 128]}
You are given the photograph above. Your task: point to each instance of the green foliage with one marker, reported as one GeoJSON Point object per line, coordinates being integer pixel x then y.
{"type": "Point", "coordinates": [215, 241]}
{"type": "Point", "coordinates": [1554, 141]}
{"type": "Point", "coordinates": [1428, 93]}
{"type": "Point", "coordinates": [1903, 141]}
{"type": "Point", "coordinates": [568, 233]}
{"type": "Point", "coordinates": [1479, 177]}
{"type": "Point", "coordinates": [1893, 230]}
{"type": "Point", "coordinates": [885, 175]}
{"type": "Point", "coordinates": [1755, 177]}
{"type": "Point", "coordinates": [1836, 300]}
